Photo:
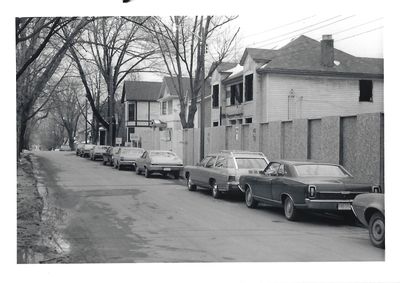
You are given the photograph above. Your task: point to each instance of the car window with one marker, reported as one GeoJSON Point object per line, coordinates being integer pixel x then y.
{"type": "Point", "coordinates": [210, 162]}
{"type": "Point", "coordinates": [325, 170]}
{"type": "Point", "coordinates": [221, 162]}
{"type": "Point", "coordinates": [272, 169]}
{"type": "Point", "coordinates": [230, 163]}
{"type": "Point", "coordinates": [163, 153]}
{"type": "Point", "coordinates": [247, 163]}
{"type": "Point", "coordinates": [204, 161]}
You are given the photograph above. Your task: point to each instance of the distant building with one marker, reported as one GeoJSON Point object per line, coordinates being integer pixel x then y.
{"type": "Point", "coordinates": [141, 108]}
{"type": "Point", "coordinates": [303, 79]}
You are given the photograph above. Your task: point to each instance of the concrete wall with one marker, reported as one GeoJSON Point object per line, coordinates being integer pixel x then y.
{"type": "Point", "coordinates": [354, 141]}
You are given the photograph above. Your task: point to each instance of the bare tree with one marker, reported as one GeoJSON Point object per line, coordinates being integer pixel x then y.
{"type": "Point", "coordinates": [117, 47]}
{"type": "Point", "coordinates": [183, 43]}
{"type": "Point", "coordinates": [37, 62]}
{"type": "Point", "coordinates": [66, 108]}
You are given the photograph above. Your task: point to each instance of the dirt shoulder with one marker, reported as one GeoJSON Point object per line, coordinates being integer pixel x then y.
{"type": "Point", "coordinates": [35, 229]}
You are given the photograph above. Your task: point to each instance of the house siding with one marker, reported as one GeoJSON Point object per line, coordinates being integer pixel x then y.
{"type": "Point", "coordinates": [316, 97]}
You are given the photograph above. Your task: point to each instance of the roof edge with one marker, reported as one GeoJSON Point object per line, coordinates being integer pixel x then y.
{"type": "Point", "coordinates": [318, 73]}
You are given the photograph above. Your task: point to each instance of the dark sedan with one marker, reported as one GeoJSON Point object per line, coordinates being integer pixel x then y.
{"type": "Point", "coordinates": [297, 185]}
{"type": "Point", "coordinates": [370, 210]}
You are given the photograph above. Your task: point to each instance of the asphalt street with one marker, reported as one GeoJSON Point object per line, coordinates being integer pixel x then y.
{"type": "Point", "coordinates": [117, 216]}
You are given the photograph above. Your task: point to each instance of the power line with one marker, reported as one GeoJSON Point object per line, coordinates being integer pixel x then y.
{"type": "Point", "coordinates": [278, 27]}
{"type": "Point", "coordinates": [294, 31]}
{"type": "Point", "coordinates": [353, 27]}
{"type": "Point", "coordinates": [358, 34]}
{"type": "Point", "coordinates": [308, 31]}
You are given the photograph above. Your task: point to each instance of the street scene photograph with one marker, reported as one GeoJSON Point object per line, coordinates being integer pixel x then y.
{"type": "Point", "coordinates": [211, 138]}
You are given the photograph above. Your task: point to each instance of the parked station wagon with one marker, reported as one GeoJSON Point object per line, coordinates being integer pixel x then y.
{"type": "Point", "coordinates": [221, 172]}
{"type": "Point", "coordinates": [298, 185]}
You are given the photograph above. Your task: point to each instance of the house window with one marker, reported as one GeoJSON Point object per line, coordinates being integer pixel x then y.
{"type": "Point", "coordinates": [131, 112]}
{"type": "Point", "coordinates": [228, 96]}
{"type": "Point", "coordinates": [232, 122]}
{"type": "Point", "coordinates": [170, 107]}
{"type": "Point", "coordinates": [215, 124]}
{"type": "Point", "coordinates": [164, 108]}
{"type": "Point", "coordinates": [215, 96]}
{"type": "Point", "coordinates": [366, 91]}
{"type": "Point", "coordinates": [248, 120]}
{"type": "Point", "coordinates": [249, 87]}
{"type": "Point", "coordinates": [237, 93]}
{"type": "Point", "coordinates": [240, 121]}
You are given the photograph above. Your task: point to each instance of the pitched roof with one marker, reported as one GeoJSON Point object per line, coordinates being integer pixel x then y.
{"type": "Point", "coordinates": [226, 66]}
{"type": "Point", "coordinates": [303, 56]}
{"type": "Point", "coordinates": [258, 54]}
{"type": "Point", "coordinates": [140, 91]}
{"type": "Point", "coordinates": [169, 82]}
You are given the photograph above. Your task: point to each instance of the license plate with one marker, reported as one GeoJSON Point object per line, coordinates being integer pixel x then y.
{"type": "Point", "coordinates": [344, 206]}
{"type": "Point", "coordinates": [167, 169]}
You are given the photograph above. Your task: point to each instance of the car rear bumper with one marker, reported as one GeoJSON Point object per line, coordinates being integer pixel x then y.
{"type": "Point", "coordinates": [333, 205]}
{"type": "Point", "coordinates": [165, 168]}
{"type": "Point", "coordinates": [127, 163]}
{"type": "Point", "coordinates": [230, 187]}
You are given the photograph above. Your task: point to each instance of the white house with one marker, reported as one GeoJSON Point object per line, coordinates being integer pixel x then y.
{"type": "Point", "coordinates": [141, 109]}
{"type": "Point", "coordinates": [303, 79]}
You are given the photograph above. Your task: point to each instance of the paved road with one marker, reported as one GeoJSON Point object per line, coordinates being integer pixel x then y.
{"type": "Point", "coordinates": [117, 216]}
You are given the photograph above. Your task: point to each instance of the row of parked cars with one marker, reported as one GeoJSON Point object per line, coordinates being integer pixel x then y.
{"type": "Point", "coordinates": [295, 186]}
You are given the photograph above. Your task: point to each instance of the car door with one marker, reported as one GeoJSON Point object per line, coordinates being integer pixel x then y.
{"type": "Point", "coordinates": [282, 183]}
{"type": "Point", "coordinates": [204, 173]}
{"type": "Point", "coordinates": [196, 172]}
{"type": "Point", "coordinates": [263, 186]}
{"type": "Point", "coordinates": [139, 162]}
{"type": "Point", "coordinates": [220, 172]}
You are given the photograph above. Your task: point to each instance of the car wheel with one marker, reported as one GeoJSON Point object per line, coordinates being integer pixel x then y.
{"type": "Point", "coordinates": [134, 168]}
{"type": "Point", "coordinates": [250, 201]}
{"type": "Point", "coordinates": [190, 185]}
{"type": "Point", "coordinates": [115, 165]}
{"type": "Point", "coordinates": [104, 162]}
{"type": "Point", "coordinates": [119, 167]}
{"type": "Point", "coordinates": [147, 172]}
{"type": "Point", "coordinates": [291, 212]}
{"type": "Point", "coordinates": [215, 192]}
{"type": "Point", "coordinates": [138, 171]}
{"type": "Point", "coordinates": [377, 230]}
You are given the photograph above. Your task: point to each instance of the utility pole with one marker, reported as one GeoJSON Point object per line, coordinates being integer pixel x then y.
{"type": "Point", "coordinates": [86, 129]}
{"type": "Point", "coordinates": [111, 135]}
{"type": "Point", "coordinates": [203, 90]}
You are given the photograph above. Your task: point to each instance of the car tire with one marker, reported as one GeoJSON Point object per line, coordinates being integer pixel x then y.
{"type": "Point", "coordinates": [214, 191]}
{"type": "Point", "coordinates": [147, 173]}
{"type": "Point", "coordinates": [104, 162]}
{"type": "Point", "coordinates": [250, 201]}
{"type": "Point", "coordinates": [138, 171]}
{"type": "Point", "coordinates": [133, 168]}
{"type": "Point", "coordinates": [119, 167]}
{"type": "Point", "coordinates": [376, 228]}
{"type": "Point", "coordinates": [291, 212]}
{"type": "Point", "coordinates": [190, 185]}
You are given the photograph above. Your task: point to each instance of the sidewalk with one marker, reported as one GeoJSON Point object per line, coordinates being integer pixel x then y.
{"type": "Point", "coordinates": [35, 229]}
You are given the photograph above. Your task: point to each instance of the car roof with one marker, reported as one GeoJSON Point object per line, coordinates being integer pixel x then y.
{"type": "Point", "coordinates": [303, 162]}
{"type": "Point", "coordinates": [243, 153]}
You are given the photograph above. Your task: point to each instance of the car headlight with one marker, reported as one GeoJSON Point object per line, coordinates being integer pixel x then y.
{"type": "Point", "coordinates": [312, 191]}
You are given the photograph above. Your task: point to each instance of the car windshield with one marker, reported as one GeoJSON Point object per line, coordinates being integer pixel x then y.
{"type": "Point", "coordinates": [132, 150]}
{"type": "Point", "coordinates": [246, 163]}
{"type": "Point", "coordinates": [306, 170]}
{"type": "Point", "coordinates": [162, 154]}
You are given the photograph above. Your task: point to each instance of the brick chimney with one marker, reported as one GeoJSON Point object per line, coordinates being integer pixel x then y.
{"type": "Point", "coordinates": [327, 51]}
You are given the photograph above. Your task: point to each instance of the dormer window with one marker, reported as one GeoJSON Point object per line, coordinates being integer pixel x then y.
{"type": "Point", "coordinates": [215, 96]}
{"type": "Point", "coordinates": [248, 94]}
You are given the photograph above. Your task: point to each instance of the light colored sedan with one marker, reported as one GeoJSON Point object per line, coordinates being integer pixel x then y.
{"type": "Point", "coordinates": [97, 152]}
{"type": "Point", "coordinates": [220, 172]}
{"type": "Point", "coordinates": [159, 161]}
{"type": "Point", "coordinates": [126, 157]}
{"type": "Point", "coordinates": [85, 152]}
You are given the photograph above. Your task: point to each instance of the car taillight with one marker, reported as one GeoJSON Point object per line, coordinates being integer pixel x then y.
{"type": "Point", "coordinates": [312, 191]}
{"type": "Point", "coordinates": [376, 189]}
{"type": "Point", "coordinates": [122, 158]}
{"type": "Point", "coordinates": [231, 178]}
